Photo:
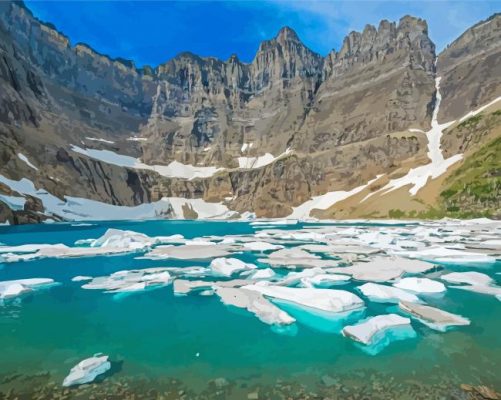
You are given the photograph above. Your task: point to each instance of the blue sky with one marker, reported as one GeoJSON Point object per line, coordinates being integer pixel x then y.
{"type": "Point", "coordinates": [152, 32]}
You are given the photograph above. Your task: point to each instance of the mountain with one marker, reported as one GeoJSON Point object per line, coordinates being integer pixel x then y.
{"type": "Point", "coordinates": [290, 134]}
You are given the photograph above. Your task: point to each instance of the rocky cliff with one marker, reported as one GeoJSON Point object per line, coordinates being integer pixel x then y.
{"type": "Point", "coordinates": [262, 137]}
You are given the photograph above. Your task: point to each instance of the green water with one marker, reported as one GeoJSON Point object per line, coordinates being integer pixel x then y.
{"type": "Point", "coordinates": [156, 334]}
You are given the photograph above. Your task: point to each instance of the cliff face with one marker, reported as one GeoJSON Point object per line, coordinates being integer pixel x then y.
{"type": "Point", "coordinates": [471, 69]}
{"type": "Point", "coordinates": [338, 120]}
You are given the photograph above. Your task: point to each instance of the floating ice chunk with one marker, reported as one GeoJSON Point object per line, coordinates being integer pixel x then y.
{"type": "Point", "coordinates": [451, 256]}
{"type": "Point", "coordinates": [420, 285]}
{"type": "Point", "coordinates": [130, 280]}
{"type": "Point", "coordinates": [371, 330]}
{"type": "Point", "coordinates": [25, 248]}
{"type": "Point", "coordinates": [261, 246]}
{"type": "Point", "coordinates": [188, 271]}
{"type": "Point", "coordinates": [383, 269]}
{"type": "Point", "coordinates": [182, 287]}
{"type": "Point", "coordinates": [482, 289]}
{"type": "Point", "coordinates": [266, 273]}
{"type": "Point", "coordinates": [295, 257]}
{"type": "Point", "coordinates": [328, 300]}
{"type": "Point", "coordinates": [229, 266]}
{"type": "Point", "coordinates": [18, 287]}
{"type": "Point", "coordinates": [87, 370]}
{"type": "Point", "coordinates": [433, 317]}
{"type": "Point", "coordinates": [80, 278]}
{"type": "Point", "coordinates": [255, 303]}
{"type": "Point", "coordinates": [8, 291]}
{"type": "Point", "coordinates": [470, 278]}
{"type": "Point", "coordinates": [386, 294]}
{"type": "Point", "coordinates": [191, 252]}
{"type": "Point", "coordinates": [325, 280]}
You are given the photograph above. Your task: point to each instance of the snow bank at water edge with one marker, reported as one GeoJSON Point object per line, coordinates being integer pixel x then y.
{"type": "Point", "coordinates": [326, 200]}
{"type": "Point", "coordinates": [80, 209]}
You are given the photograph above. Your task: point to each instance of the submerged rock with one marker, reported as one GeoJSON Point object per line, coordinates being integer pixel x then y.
{"type": "Point", "coordinates": [87, 370]}
{"type": "Point", "coordinates": [433, 317]}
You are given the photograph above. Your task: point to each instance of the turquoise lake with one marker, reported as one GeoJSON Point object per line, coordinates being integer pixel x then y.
{"type": "Point", "coordinates": [196, 339]}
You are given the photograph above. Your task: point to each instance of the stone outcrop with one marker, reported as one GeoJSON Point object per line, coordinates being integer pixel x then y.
{"type": "Point", "coordinates": [346, 117]}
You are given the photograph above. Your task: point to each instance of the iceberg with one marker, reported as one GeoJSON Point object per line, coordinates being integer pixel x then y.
{"type": "Point", "coordinates": [188, 252]}
{"type": "Point", "coordinates": [386, 294]}
{"type": "Point", "coordinates": [130, 280]}
{"type": "Point", "coordinates": [470, 278]}
{"type": "Point", "coordinates": [183, 287]}
{"type": "Point", "coordinates": [435, 318]}
{"type": "Point", "coordinates": [261, 246]}
{"type": "Point", "coordinates": [18, 287]}
{"type": "Point", "coordinates": [229, 266]}
{"type": "Point", "coordinates": [375, 333]}
{"type": "Point", "coordinates": [325, 280]}
{"type": "Point", "coordinates": [420, 285]}
{"type": "Point", "coordinates": [255, 303]}
{"type": "Point", "coordinates": [87, 370]}
{"type": "Point", "coordinates": [383, 269]}
{"type": "Point", "coordinates": [328, 300]}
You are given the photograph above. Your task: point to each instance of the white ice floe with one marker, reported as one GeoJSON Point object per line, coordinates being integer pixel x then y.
{"type": "Point", "coordinates": [18, 287]}
{"type": "Point", "coordinates": [265, 273]}
{"type": "Point", "coordinates": [24, 159]}
{"type": "Point", "coordinates": [93, 139]}
{"type": "Point", "coordinates": [188, 252]}
{"type": "Point", "coordinates": [81, 278]}
{"type": "Point", "coordinates": [295, 257]}
{"type": "Point", "coordinates": [370, 330]}
{"type": "Point", "coordinates": [174, 170]}
{"type": "Point", "coordinates": [435, 318]}
{"type": "Point", "coordinates": [261, 246]}
{"type": "Point", "coordinates": [183, 287]}
{"type": "Point", "coordinates": [418, 177]}
{"type": "Point", "coordinates": [420, 285]}
{"type": "Point", "coordinates": [470, 278]}
{"type": "Point", "coordinates": [386, 294]}
{"type": "Point", "coordinates": [325, 280]}
{"type": "Point", "coordinates": [88, 370]}
{"type": "Point", "coordinates": [229, 266]}
{"type": "Point", "coordinates": [80, 209]}
{"type": "Point", "coordinates": [383, 269]}
{"type": "Point", "coordinates": [328, 300]}
{"type": "Point", "coordinates": [326, 200]}
{"type": "Point", "coordinates": [481, 289]}
{"type": "Point", "coordinates": [447, 255]}
{"type": "Point", "coordinates": [130, 280]}
{"type": "Point", "coordinates": [255, 303]}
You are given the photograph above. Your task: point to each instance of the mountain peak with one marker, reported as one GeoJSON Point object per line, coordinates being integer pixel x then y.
{"type": "Point", "coordinates": [286, 34]}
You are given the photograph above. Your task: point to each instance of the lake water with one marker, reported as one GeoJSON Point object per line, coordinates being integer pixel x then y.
{"type": "Point", "coordinates": [154, 336]}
